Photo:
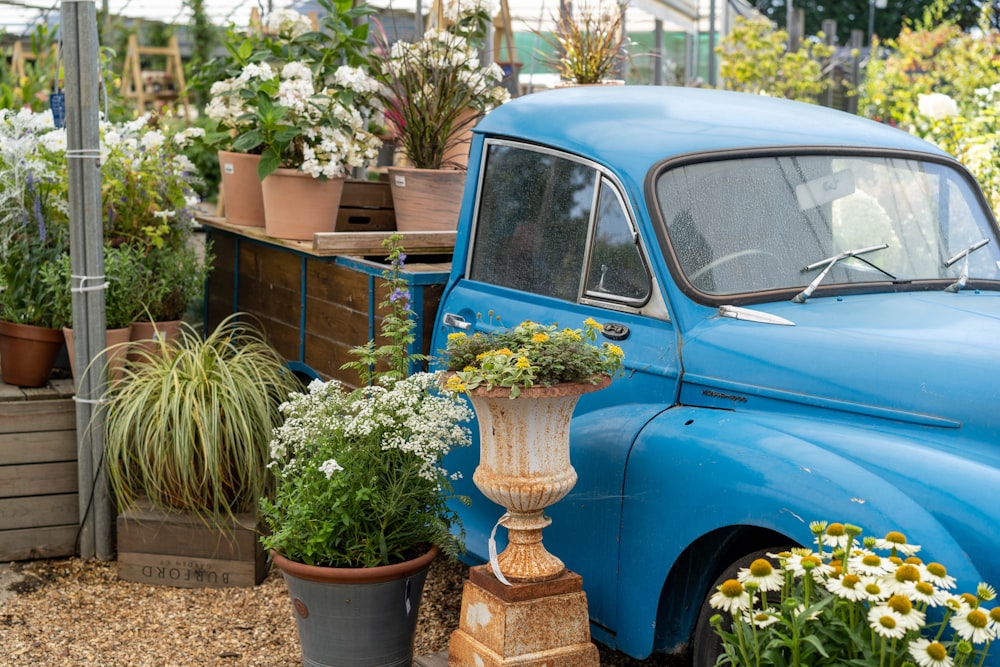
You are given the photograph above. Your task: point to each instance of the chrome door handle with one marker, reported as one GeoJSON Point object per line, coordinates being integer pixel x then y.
{"type": "Point", "coordinates": [457, 321]}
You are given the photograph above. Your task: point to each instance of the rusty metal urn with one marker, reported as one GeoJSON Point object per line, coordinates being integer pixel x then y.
{"type": "Point", "coordinates": [524, 465]}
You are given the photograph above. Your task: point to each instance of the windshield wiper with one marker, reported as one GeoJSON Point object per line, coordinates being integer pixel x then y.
{"type": "Point", "coordinates": [962, 279]}
{"type": "Point", "coordinates": [830, 263]}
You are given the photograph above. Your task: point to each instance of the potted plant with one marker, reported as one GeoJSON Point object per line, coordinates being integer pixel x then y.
{"type": "Point", "coordinates": [304, 103]}
{"type": "Point", "coordinates": [434, 91]}
{"type": "Point", "coordinates": [173, 277]}
{"type": "Point", "coordinates": [187, 432]}
{"type": "Point", "coordinates": [123, 271]}
{"type": "Point", "coordinates": [852, 599]}
{"type": "Point", "coordinates": [33, 232]}
{"type": "Point", "coordinates": [523, 383]}
{"type": "Point", "coordinates": [589, 47]}
{"type": "Point", "coordinates": [359, 508]}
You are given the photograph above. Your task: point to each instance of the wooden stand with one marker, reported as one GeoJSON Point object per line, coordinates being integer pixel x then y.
{"type": "Point", "coordinates": [528, 625]}
{"type": "Point", "coordinates": [177, 549]}
{"type": "Point", "coordinates": [39, 506]}
{"type": "Point", "coordinates": [154, 87]}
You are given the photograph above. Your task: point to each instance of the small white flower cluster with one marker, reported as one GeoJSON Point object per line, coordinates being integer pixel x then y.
{"type": "Point", "coordinates": [410, 415]}
{"type": "Point", "coordinates": [227, 105]}
{"type": "Point", "coordinates": [456, 10]}
{"type": "Point", "coordinates": [288, 23]}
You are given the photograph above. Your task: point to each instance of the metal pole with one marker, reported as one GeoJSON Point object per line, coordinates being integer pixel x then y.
{"type": "Point", "coordinates": [80, 43]}
{"type": "Point", "coordinates": [712, 79]}
{"type": "Point", "coordinates": [871, 20]}
{"type": "Point", "coordinates": [658, 53]}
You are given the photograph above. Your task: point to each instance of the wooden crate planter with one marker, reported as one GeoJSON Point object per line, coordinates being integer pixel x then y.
{"type": "Point", "coordinates": [177, 549]}
{"type": "Point", "coordinates": [39, 506]}
{"type": "Point", "coordinates": [366, 206]}
{"type": "Point", "coordinates": [316, 300]}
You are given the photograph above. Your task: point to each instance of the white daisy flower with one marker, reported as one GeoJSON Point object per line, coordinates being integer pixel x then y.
{"type": "Point", "coordinates": [896, 541]}
{"type": "Point", "coordinates": [972, 625]}
{"type": "Point", "coordinates": [730, 597]}
{"type": "Point", "coordinates": [937, 574]}
{"type": "Point", "coordinates": [848, 587]}
{"type": "Point", "coordinates": [762, 573]}
{"type": "Point", "coordinates": [929, 654]}
{"type": "Point", "coordinates": [886, 622]}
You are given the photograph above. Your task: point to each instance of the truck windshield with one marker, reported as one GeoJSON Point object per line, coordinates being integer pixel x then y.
{"type": "Point", "coordinates": [758, 224]}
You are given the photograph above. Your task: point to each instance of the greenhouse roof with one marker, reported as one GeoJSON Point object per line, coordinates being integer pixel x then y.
{"type": "Point", "coordinates": [18, 17]}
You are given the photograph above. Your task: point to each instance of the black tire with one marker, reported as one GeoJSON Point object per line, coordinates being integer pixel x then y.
{"type": "Point", "coordinates": [706, 647]}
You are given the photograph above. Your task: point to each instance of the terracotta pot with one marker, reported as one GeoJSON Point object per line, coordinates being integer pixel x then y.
{"type": "Point", "coordinates": [356, 616]}
{"type": "Point", "coordinates": [242, 194]}
{"type": "Point", "coordinates": [296, 205]}
{"type": "Point", "coordinates": [147, 336]}
{"type": "Point", "coordinates": [116, 345]}
{"type": "Point", "coordinates": [524, 466]}
{"type": "Point", "coordinates": [426, 199]}
{"type": "Point", "coordinates": [28, 353]}
{"type": "Point", "coordinates": [456, 152]}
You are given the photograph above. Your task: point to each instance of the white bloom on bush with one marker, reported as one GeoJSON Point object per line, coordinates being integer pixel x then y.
{"type": "Point", "coordinates": [152, 140]}
{"type": "Point", "coordinates": [296, 70]}
{"type": "Point", "coordinates": [288, 23]}
{"type": "Point", "coordinates": [329, 467]}
{"type": "Point", "coordinates": [937, 106]}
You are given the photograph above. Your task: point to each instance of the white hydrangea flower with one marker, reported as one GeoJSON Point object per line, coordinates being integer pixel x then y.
{"type": "Point", "coordinates": [937, 106]}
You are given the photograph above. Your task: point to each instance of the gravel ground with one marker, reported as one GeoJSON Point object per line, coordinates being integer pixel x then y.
{"type": "Point", "coordinates": [74, 612]}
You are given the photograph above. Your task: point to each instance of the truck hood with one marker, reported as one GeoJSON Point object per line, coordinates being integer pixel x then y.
{"type": "Point", "coordinates": [928, 358]}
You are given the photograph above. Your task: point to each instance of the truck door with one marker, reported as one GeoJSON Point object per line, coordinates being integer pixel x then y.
{"type": "Point", "coordinates": [555, 240]}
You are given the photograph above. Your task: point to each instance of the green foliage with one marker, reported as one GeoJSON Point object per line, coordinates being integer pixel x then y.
{"type": "Point", "coordinates": [41, 73]}
{"type": "Point", "coordinates": [530, 354]}
{"type": "Point", "coordinates": [25, 298]}
{"type": "Point", "coordinates": [397, 327]}
{"type": "Point", "coordinates": [188, 425]}
{"type": "Point", "coordinates": [853, 600]}
{"type": "Point", "coordinates": [591, 48]}
{"type": "Point", "coordinates": [173, 277]}
{"type": "Point", "coordinates": [932, 60]}
{"type": "Point", "coordinates": [359, 475]}
{"type": "Point", "coordinates": [754, 58]}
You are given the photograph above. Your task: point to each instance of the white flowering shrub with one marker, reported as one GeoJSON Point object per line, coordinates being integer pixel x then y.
{"type": "Point", "coordinates": [359, 481]}
{"type": "Point", "coordinates": [852, 601]}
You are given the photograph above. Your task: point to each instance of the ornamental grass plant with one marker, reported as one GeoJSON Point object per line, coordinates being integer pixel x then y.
{"type": "Point", "coordinates": [590, 46]}
{"type": "Point", "coordinates": [530, 354]}
{"type": "Point", "coordinates": [189, 424]}
{"type": "Point", "coordinates": [853, 600]}
{"type": "Point", "coordinates": [359, 480]}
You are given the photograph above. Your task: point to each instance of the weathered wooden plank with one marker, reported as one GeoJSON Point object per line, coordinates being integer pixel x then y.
{"type": "Point", "coordinates": [370, 243]}
{"type": "Point", "coordinates": [39, 511]}
{"type": "Point", "coordinates": [38, 479]}
{"type": "Point", "coordinates": [366, 194]}
{"type": "Point", "coordinates": [38, 543]}
{"type": "Point", "coordinates": [270, 267]}
{"type": "Point", "coordinates": [188, 572]}
{"type": "Point", "coordinates": [38, 447]}
{"type": "Point", "coordinates": [41, 415]}
{"type": "Point", "coordinates": [179, 549]}
{"type": "Point", "coordinates": [154, 531]}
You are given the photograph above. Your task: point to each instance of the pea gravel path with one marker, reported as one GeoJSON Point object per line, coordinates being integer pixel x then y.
{"type": "Point", "coordinates": [66, 613]}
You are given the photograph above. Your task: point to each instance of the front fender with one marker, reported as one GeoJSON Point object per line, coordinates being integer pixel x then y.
{"type": "Point", "coordinates": [695, 472]}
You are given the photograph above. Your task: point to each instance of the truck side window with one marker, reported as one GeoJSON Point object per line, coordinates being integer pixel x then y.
{"type": "Point", "coordinates": [532, 224]}
{"type": "Point", "coordinates": [616, 266]}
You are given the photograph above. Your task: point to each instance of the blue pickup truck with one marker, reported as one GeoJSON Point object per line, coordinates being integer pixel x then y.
{"type": "Point", "coordinates": [809, 305]}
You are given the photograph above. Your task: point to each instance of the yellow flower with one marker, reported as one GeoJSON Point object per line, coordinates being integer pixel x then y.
{"type": "Point", "coordinates": [571, 334]}
{"type": "Point", "coordinates": [504, 351]}
{"type": "Point", "coordinates": [456, 336]}
{"type": "Point", "coordinates": [522, 362]}
{"type": "Point", "coordinates": [592, 323]}
{"type": "Point", "coordinates": [540, 337]}
{"type": "Point", "coordinates": [455, 384]}
{"type": "Point", "coordinates": [616, 351]}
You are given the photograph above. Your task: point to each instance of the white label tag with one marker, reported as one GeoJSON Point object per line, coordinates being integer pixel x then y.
{"type": "Point", "coordinates": [400, 181]}
{"type": "Point", "coordinates": [228, 167]}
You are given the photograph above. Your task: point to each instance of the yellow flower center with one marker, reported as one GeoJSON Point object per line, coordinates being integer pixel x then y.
{"type": "Point", "coordinates": [913, 560]}
{"type": "Point", "coordinates": [761, 568]}
{"type": "Point", "coordinates": [924, 588]}
{"type": "Point", "coordinates": [936, 651]}
{"type": "Point", "coordinates": [995, 614]}
{"type": "Point", "coordinates": [835, 530]}
{"type": "Point", "coordinates": [522, 362]}
{"type": "Point", "coordinates": [887, 622]}
{"type": "Point", "coordinates": [900, 604]}
{"type": "Point", "coordinates": [871, 560]}
{"type": "Point", "coordinates": [456, 336]}
{"type": "Point", "coordinates": [895, 537]}
{"type": "Point", "coordinates": [873, 589]}
{"type": "Point", "coordinates": [977, 619]}
{"type": "Point", "coordinates": [850, 581]}
{"type": "Point", "coordinates": [811, 562]}
{"type": "Point", "coordinates": [896, 559]}
{"type": "Point", "coordinates": [937, 569]}
{"type": "Point", "coordinates": [731, 588]}
{"type": "Point", "coordinates": [907, 573]}
{"type": "Point", "coordinates": [969, 599]}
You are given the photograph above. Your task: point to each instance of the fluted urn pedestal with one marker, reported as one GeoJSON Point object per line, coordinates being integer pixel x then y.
{"type": "Point", "coordinates": [534, 612]}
